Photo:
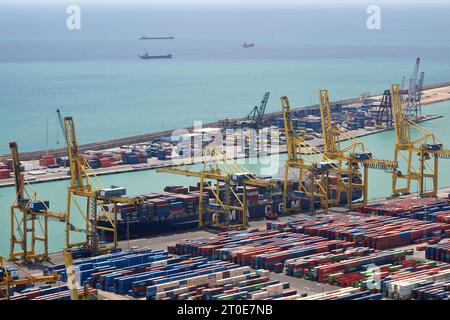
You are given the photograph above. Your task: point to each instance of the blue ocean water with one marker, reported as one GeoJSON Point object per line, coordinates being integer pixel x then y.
{"type": "Point", "coordinates": [94, 74]}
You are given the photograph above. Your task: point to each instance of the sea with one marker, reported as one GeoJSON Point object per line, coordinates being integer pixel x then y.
{"type": "Point", "coordinates": [95, 75]}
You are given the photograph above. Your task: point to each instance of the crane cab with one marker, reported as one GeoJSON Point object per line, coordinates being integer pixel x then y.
{"type": "Point", "coordinates": [363, 156]}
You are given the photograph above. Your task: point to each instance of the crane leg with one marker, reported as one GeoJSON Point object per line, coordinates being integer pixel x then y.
{"type": "Point", "coordinates": [286, 174]}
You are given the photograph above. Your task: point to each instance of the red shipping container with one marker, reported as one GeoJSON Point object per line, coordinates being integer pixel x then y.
{"type": "Point", "coordinates": [5, 173]}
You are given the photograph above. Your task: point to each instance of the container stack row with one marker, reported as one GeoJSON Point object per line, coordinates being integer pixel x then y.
{"type": "Point", "coordinates": [240, 283]}
{"type": "Point", "coordinates": [379, 232]}
{"type": "Point", "coordinates": [158, 276]}
{"type": "Point", "coordinates": [333, 268]}
{"type": "Point", "coordinates": [259, 249]}
{"type": "Point", "coordinates": [6, 169]}
{"type": "Point", "coordinates": [401, 286]}
{"type": "Point", "coordinates": [430, 209]}
{"type": "Point", "coordinates": [380, 272]}
{"type": "Point", "coordinates": [439, 252]}
{"type": "Point", "coordinates": [435, 291]}
{"type": "Point", "coordinates": [339, 294]}
{"type": "Point", "coordinates": [51, 293]}
{"type": "Point", "coordinates": [129, 259]}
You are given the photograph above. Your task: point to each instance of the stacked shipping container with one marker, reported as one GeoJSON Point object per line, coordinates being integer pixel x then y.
{"type": "Point", "coordinates": [379, 232]}
{"type": "Point", "coordinates": [430, 209]}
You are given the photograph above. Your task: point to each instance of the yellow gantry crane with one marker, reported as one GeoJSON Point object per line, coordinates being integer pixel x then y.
{"type": "Point", "coordinates": [355, 154]}
{"type": "Point", "coordinates": [86, 186]}
{"type": "Point", "coordinates": [8, 281]}
{"type": "Point", "coordinates": [313, 170]}
{"type": "Point", "coordinates": [217, 169]}
{"type": "Point", "coordinates": [414, 144]}
{"type": "Point", "coordinates": [29, 218]}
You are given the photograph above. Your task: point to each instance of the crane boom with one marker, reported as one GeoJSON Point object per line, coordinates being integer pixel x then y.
{"type": "Point", "coordinates": [61, 123]}
{"type": "Point", "coordinates": [329, 132]}
{"type": "Point", "coordinates": [420, 87]}
{"type": "Point", "coordinates": [312, 169]}
{"type": "Point", "coordinates": [85, 185]}
{"type": "Point", "coordinates": [354, 154]}
{"type": "Point", "coordinates": [217, 167]}
{"type": "Point", "coordinates": [254, 118]}
{"type": "Point", "coordinates": [18, 176]}
{"type": "Point", "coordinates": [262, 108]}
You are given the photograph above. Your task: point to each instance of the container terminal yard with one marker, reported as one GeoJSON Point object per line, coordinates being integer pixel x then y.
{"type": "Point", "coordinates": [50, 165]}
{"type": "Point", "coordinates": [312, 234]}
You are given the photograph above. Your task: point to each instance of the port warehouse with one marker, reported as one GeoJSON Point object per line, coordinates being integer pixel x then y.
{"type": "Point", "coordinates": [349, 252]}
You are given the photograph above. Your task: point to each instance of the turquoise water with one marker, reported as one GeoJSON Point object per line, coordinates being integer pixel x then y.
{"type": "Point", "coordinates": [94, 74]}
{"type": "Point", "coordinates": [107, 102]}
{"type": "Point", "coordinates": [380, 144]}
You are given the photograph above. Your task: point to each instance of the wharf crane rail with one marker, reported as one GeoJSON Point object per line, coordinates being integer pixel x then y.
{"type": "Point", "coordinates": [216, 166]}
{"type": "Point", "coordinates": [414, 143]}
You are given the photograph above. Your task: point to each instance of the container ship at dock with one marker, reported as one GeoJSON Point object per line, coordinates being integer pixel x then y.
{"type": "Point", "coordinates": [176, 209]}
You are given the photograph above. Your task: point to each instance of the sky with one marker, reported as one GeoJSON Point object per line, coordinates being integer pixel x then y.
{"type": "Point", "coordinates": [229, 2]}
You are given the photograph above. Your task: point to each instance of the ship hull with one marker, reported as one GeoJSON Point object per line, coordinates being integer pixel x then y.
{"type": "Point", "coordinates": [169, 56]}
{"type": "Point", "coordinates": [139, 228]}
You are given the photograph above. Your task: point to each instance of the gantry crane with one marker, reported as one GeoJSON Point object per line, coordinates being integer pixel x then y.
{"type": "Point", "coordinates": [217, 168]}
{"type": "Point", "coordinates": [7, 282]}
{"type": "Point", "coordinates": [413, 143]}
{"type": "Point", "coordinates": [29, 218]}
{"type": "Point", "coordinates": [355, 154]}
{"type": "Point", "coordinates": [411, 96]}
{"type": "Point", "coordinates": [314, 170]}
{"type": "Point", "coordinates": [254, 119]}
{"type": "Point", "coordinates": [384, 114]}
{"type": "Point", "coordinates": [85, 185]}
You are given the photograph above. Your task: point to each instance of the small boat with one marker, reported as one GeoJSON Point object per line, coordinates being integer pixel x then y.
{"type": "Point", "coordinates": [146, 56]}
{"type": "Point", "coordinates": [248, 45]}
{"type": "Point", "coordinates": [144, 37]}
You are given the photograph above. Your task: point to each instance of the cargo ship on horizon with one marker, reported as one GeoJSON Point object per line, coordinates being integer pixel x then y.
{"type": "Point", "coordinates": [146, 56]}
{"type": "Point", "coordinates": [144, 37]}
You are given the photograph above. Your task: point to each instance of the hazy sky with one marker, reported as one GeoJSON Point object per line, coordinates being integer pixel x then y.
{"type": "Point", "coordinates": [233, 2]}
